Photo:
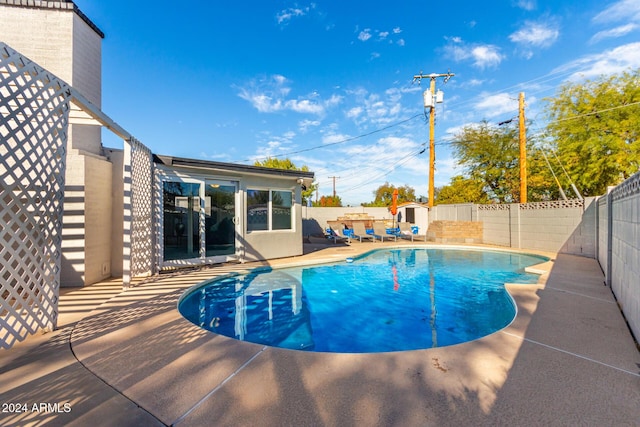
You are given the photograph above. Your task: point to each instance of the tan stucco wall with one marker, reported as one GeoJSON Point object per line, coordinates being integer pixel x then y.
{"type": "Point", "coordinates": [98, 223]}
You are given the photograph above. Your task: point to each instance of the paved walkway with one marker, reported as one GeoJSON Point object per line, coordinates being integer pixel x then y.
{"type": "Point", "coordinates": [130, 359]}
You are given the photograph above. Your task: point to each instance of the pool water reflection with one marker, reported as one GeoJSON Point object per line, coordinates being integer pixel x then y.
{"type": "Point", "coordinates": [387, 300]}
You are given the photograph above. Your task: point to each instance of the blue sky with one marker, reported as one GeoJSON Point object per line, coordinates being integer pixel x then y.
{"type": "Point", "coordinates": [330, 84]}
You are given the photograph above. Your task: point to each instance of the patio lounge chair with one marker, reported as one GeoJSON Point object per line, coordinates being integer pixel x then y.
{"type": "Point", "coordinates": [380, 232]}
{"type": "Point", "coordinates": [360, 233]}
{"type": "Point", "coordinates": [336, 235]}
{"type": "Point", "coordinates": [407, 233]}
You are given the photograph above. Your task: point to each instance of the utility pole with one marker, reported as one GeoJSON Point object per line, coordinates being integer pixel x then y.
{"type": "Point", "coordinates": [431, 97]}
{"type": "Point", "coordinates": [523, 150]}
{"type": "Point", "coordinates": [334, 185]}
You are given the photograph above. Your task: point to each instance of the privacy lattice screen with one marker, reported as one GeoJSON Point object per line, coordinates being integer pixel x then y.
{"type": "Point", "coordinates": [138, 227]}
{"type": "Point", "coordinates": [34, 114]}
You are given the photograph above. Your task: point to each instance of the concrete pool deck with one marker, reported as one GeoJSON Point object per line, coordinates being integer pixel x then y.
{"type": "Point", "coordinates": [130, 359]}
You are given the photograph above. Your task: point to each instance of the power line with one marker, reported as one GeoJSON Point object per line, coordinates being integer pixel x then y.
{"type": "Point", "coordinates": [331, 144]}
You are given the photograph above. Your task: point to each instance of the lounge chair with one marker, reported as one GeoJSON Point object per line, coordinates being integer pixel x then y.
{"type": "Point", "coordinates": [407, 233]}
{"type": "Point", "coordinates": [336, 235]}
{"type": "Point", "coordinates": [380, 232]}
{"type": "Point", "coordinates": [360, 233]}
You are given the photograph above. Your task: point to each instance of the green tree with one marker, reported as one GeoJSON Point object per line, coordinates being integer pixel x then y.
{"type": "Point", "coordinates": [461, 190]}
{"type": "Point", "coordinates": [490, 157]}
{"type": "Point", "coordinates": [287, 164]}
{"type": "Point", "coordinates": [594, 127]}
{"type": "Point", "coordinates": [384, 195]}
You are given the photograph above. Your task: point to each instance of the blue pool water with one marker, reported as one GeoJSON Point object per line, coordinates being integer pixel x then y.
{"type": "Point", "coordinates": [387, 300]}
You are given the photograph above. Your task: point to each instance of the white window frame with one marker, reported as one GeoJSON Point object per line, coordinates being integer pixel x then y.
{"type": "Point", "coordinates": [270, 190]}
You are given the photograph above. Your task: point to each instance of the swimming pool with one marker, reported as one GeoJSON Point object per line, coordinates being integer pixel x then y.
{"type": "Point", "coordinates": [385, 300]}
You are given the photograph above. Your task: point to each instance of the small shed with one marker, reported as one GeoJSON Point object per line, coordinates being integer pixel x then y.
{"type": "Point", "coordinates": [414, 213]}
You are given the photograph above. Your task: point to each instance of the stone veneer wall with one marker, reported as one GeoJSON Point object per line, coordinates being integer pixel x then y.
{"type": "Point", "coordinates": [455, 232]}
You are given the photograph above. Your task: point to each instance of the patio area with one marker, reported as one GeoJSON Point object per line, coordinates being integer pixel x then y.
{"type": "Point", "coordinates": [130, 359]}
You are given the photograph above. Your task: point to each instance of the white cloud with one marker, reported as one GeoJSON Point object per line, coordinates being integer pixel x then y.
{"type": "Point", "coordinates": [286, 15]}
{"type": "Point", "coordinates": [486, 56]}
{"type": "Point", "coordinates": [269, 95]}
{"type": "Point", "coordinates": [611, 61]}
{"type": "Point", "coordinates": [383, 34]}
{"type": "Point", "coordinates": [482, 55]}
{"type": "Point", "coordinates": [499, 104]}
{"type": "Point", "coordinates": [526, 4]}
{"type": "Point", "coordinates": [397, 30]}
{"type": "Point", "coordinates": [332, 138]}
{"type": "Point", "coordinates": [536, 34]}
{"type": "Point", "coordinates": [304, 106]}
{"type": "Point", "coordinates": [355, 112]}
{"type": "Point", "coordinates": [620, 31]}
{"type": "Point", "coordinates": [400, 42]}
{"type": "Point", "coordinates": [623, 10]}
{"type": "Point", "coordinates": [365, 35]}
{"type": "Point", "coordinates": [305, 125]}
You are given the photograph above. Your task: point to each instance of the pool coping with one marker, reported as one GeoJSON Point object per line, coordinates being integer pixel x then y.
{"type": "Point", "coordinates": [558, 363]}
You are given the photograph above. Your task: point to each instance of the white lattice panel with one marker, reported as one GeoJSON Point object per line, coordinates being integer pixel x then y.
{"type": "Point", "coordinates": [138, 227]}
{"type": "Point", "coordinates": [34, 112]}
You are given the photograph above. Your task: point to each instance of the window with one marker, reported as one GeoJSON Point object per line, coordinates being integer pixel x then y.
{"type": "Point", "coordinates": [281, 202]}
{"type": "Point", "coordinates": [269, 210]}
{"type": "Point", "coordinates": [257, 210]}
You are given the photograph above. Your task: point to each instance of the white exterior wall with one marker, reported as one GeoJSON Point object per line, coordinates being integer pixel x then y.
{"type": "Point", "coordinates": [73, 227]}
{"type": "Point", "coordinates": [116, 157]}
{"type": "Point", "coordinates": [86, 75]}
{"type": "Point", "coordinates": [98, 219]}
{"type": "Point", "coordinates": [65, 45]}
{"type": "Point", "coordinates": [43, 35]}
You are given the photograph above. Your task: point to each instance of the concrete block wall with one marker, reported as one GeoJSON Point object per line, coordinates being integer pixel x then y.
{"type": "Point", "coordinates": [496, 220]}
{"type": "Point", "coordinates": [42, 35]}
{"type": "Point", "coordinates": [624, 276]}
{"type": "Point", "coordinates": [455, 212]}
{"type": "Point", "coordinates": [86, 53]}
{"type": "Point", "coordinates": [555, 229]}
{"type": "Point", "coordinates": [603, 233]}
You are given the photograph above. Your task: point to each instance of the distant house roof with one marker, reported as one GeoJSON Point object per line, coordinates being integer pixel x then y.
{"type": "Point", "coordinates": [59, 4]}
{"type": "Point", "coordinates": [231, 167]}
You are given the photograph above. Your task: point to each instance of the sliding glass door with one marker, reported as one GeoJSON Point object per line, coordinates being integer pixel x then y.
{"type": "Point", "coordinates": [181, 201]}
{"type": "Point", "coordinates": [200, 220]}
{"type": "Point", "coordinates": [220, 218]}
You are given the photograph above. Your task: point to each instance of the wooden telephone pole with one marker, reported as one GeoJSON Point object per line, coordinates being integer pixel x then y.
{"type": "Point", "coordinates": [430, 99]}
{"type": "Point", "coordinates": [523, 150]}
